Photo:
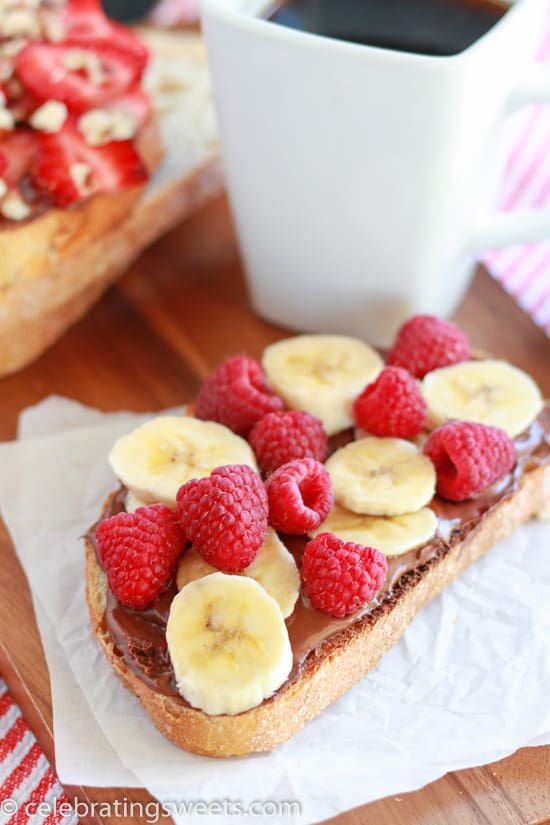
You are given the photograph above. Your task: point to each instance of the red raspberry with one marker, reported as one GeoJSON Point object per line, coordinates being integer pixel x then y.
{"type": "Point", "coordinates": [139, 552]}
{"type": "Point", "coordinates": [392, 405]}
{"type": "Point", "coordinates": [425, 343]}
{"type": "Point", "coordinates": [237, 395]}
{"type": "Point", "coordinates": [341, 577]}
{"type": "Point", "coordinates": [280, 437]}
{"type": "Point", "coordinates": [225, 516]}
{"type": "Point", "coordinates": [468, 457]}
{"type": "Point", "coordinates": [300, 496]}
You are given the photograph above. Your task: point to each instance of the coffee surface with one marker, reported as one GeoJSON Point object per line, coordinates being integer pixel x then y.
{"type": "Point", "coordinates": [435, 27]}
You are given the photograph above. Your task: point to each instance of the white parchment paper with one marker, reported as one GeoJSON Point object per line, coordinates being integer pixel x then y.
{"type": "Point", "coordinates": [468, 683]}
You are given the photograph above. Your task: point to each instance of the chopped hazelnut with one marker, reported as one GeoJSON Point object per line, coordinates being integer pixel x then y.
{"type": "Point", "coordinates": [6, 119]}
{"type": "Point", "coordinates": [49, 117]}
{"type": "Point", "coordinates": [53, 29]}
{"type": "Point", "coordinates": [18, 22]}
{"type": "Point", "coordinates": [100, 126]}
{"type": "Point", "coordinates": [12, 47]}
{"type": "Point", "coordinates": [77, 59]}
{"type": "Point", "coordinates": [80, 173]}
{"type": "Point", "coordinates": [124, 124]}
{"type": "Point", "coordinates": [14, 207]}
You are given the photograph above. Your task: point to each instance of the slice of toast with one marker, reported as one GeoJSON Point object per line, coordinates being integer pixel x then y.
{"type": "Point", "coordinates": [329, 669]}
{"type": "Point", "coordinates": [53, 268]}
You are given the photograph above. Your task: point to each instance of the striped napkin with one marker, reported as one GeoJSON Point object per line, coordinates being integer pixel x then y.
{"type": "Point", "coordinates": [524, 271]}
{"type": "Point", "coordinates": [29, 790]}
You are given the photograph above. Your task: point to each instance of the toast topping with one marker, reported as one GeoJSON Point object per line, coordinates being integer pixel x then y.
{"type": "Point", "coordinates": [100, 126]}
{"type": "Point", "coordinates": [7, 121]}
{"type": "Point", "coordinates": [80, 174]}
{"type": "Point", "coordinates": [109, 168]}
{"type": "Point", "coordinates": [385, 526]}
{"type": "Point", "coordinates": [341, 577]}
{"type": "Point", "coordinates": [49, 117]}
{"type": "Point", "coordinates": [156, 459]}
{"type": "Point", "coordinates": [17, 22]}
{"type": "Point", "coordinates": [60, 63]}
{"type": "Point", "coordinates": [300, 496]}
{"type": "Point", "coordinates": [488, 392]}
{"type": "Point", "coordinates": [280, 437]}
{"type": "Point", "coordinates": [468, 457]}
{"type": "Point", "coordinates": [236, 394]}
{"type": "Point", "coordinates": [224, 516]}
{"type": "Point", "coordinates": [14, 207]}
{"type": "Point", "coordinates": [424, 343]}
{"type": "Point", "coordinates": [228, 644]}
{"type": "Point", "coordinates": [274, 568]}
{"type": "Point", "coordinates": [139, 637]}
{"type": "Point", "coordinates": [321, 374]}
{"type": "Point", "coordinates": [139, 553]}
{"type": "Point", "coordinates": [392, 406]}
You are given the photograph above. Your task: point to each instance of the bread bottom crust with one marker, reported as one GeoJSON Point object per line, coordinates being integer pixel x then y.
{"type": "Point", "coordinates": [337, 666]}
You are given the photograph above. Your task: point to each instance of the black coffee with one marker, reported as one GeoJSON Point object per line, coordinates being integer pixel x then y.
{"type": "Point", "coordinates": [437, 27]}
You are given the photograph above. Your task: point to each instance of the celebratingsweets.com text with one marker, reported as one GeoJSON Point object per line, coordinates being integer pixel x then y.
{"type": "Point", "coordinates": [150, 812]}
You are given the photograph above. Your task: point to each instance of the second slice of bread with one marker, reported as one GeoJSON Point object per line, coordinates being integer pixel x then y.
{"type": "Point", "coordinates": [53, 268]}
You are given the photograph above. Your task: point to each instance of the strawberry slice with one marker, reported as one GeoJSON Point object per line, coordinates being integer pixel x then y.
{"type": "Point", "coordinates": [3, 164]}
{"type": "Point", "coordinates": [18, 149]}
{"type": "Point", "coordinates": [85, 21]}
{"type": "Point", "coordinates": [70, 170]}
{"type": "Point", "coordinates": [82, 76]}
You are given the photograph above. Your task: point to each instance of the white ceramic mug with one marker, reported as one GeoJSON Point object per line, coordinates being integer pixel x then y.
{"type": "Point", "coordinates": [362, 179]}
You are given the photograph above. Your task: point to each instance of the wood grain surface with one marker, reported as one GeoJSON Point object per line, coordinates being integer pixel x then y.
{"type": "Point", "coordinates": [147, 345]}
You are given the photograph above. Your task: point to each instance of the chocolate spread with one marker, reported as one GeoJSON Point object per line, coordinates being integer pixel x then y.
{"type": "Point", "coordinates": [139, 635]}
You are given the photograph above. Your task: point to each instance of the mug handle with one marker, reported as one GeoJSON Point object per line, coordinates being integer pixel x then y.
{"type": "Point", "coordinates": [521, 226]}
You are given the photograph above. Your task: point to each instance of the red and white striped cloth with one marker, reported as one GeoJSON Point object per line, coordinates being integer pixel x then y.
{"type": "Point", "coordinates": [29, 789]}
{"type": "Point", "coordinates": [525, 271]}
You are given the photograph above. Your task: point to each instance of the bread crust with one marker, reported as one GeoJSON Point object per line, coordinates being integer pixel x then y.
{"type": "Point", "coordinates": [341, 662]}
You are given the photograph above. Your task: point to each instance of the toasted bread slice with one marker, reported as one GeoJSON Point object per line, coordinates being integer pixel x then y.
{"type": "Point", "coordinates": [52, 268]}
{"type": "Point", "coordinates": [341, 660]}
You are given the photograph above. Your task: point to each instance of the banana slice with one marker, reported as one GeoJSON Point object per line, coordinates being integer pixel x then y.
{"type": "Point", "coordinates": [154, 460]}
{"type": "Point", "coordinates": [392, 535]}
{"type": "Point", "coordinates": [274, 568]}
{"type": "Point", "coordinates": [321, 374]}
{"type": "Point", "coordinates": [192, 567]}
{"type": "Point", "coordinates": [381, 477]}
{"type": "Point", "coordinates": [228, 644]}
{"type": "Point", "coordinates": [488, 392]}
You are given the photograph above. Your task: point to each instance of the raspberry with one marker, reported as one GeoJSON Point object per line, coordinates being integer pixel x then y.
{"type": "Point", "coordinates": [468, 457]}
{"type": "Point", "coordinates": [139, 552]}
{"type": "Point", "coordinates": [237, 395]}
{"type": "Point", "coordinates": [225, 516]}
{"type": "Point", "coordinates": [280, 437]}
{"type": "Point", "coordinates": [425, 343]}
{"type": "Point", "coordinates": [392, 405]}
{"type": "Point", "coordinates": [340, 577]}
{"type": "Point", "coordinates": [300, 496]}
